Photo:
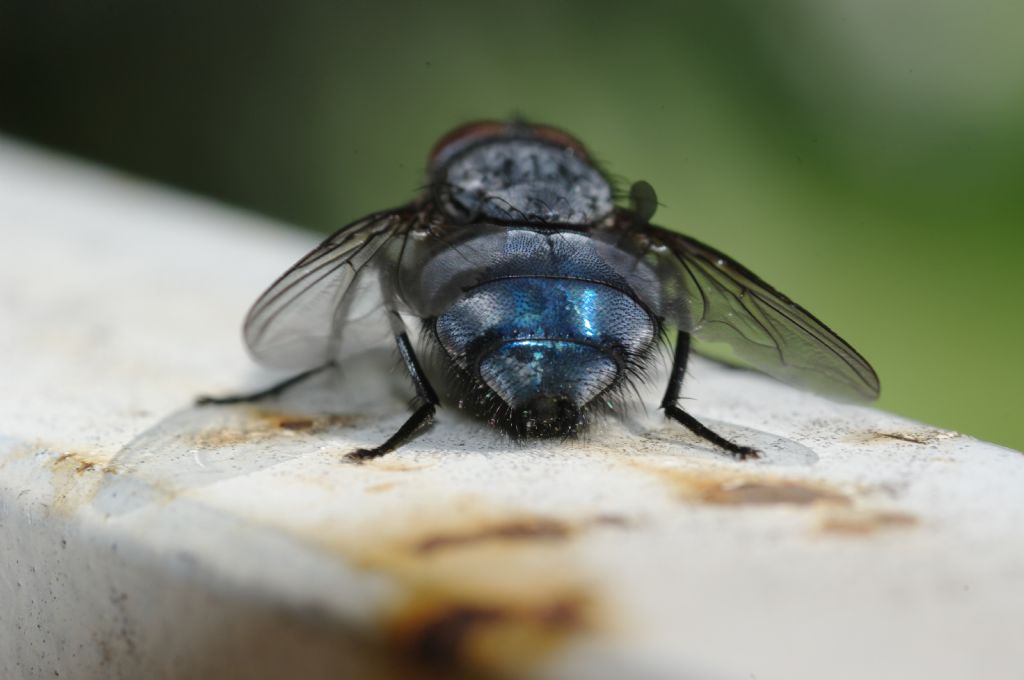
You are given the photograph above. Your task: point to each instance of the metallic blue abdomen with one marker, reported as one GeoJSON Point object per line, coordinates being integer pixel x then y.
{"type": "Point", "coordinates": [545, 346]}
{"type": "Point", "coordinates": [522, 371]}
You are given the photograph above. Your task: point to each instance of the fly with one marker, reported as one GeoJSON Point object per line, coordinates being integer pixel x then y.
{"type": "Point", "coordinates": [544, 299]}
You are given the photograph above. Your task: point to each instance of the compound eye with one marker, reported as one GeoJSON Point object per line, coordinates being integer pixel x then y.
{"type": "Point", "coordinates": [465, 135]}
{"type": "Point", "coordinates": [461, 137]}
{"type": "Point", "coordinates": [559, 138]}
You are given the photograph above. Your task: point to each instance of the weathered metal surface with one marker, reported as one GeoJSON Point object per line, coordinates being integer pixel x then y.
{"type": "Point", "coordinates": [143, 537]}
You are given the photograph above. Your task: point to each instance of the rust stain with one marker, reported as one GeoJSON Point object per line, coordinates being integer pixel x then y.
{"type": "Point", "coordinates": [532, 529]}
{"type": "Point", "coordinates": [260, 424]}
{"type": "Point", "coordinates": [726, 487]}
{"type": "Point", "coordinates": [384, 465]}
{"type": "Point", "coordinates": [747, 492]}
{"type": "Point", "coordinates": [612, 521]}
{"type": "Point", "coordinates": [898, 436]}
{"type": "Point", "coordinates": [219, 437]}
{"type": "Point", "coordinates": [851, 521]}
{"type": "Point", "coordinates": [80, 463]}
{"type": "Point", "coordinates": [379, 488]}
{"type": "Point", "coordinates": [72, 487]}
{"type": "Point", "coordinates": [446, 634]}
{"type": "Point", "coordinates": [923, 437]}
{"type": "Point", "coordinates": [537, 529]}
{"type": "Point", "coordinates": [296, 424]}
{"type": "Point", "coordinates": [476, 589]}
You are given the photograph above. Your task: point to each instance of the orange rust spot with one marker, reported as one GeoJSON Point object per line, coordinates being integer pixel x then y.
{"type": "Point", "coordinates": [861, 522]}
{"type": "Point", "coordinates": [263, 424]}
{"type": "Point", "coordinates": [217, 438]}
{"type": "Point", "coordinates": [719, 487]}
{"type": "Point", "coordinates": [71, 487]}
{"type": "Point", "coordinates": [384, 465]}
{"type": "Point", "coordinates": [474, 602]}
{"type": "Point", "coordinates": [296, 423]}
{"type": "Point", "coordinates": [538, 529]}
{"type": "Point", "coordinates": [767, 493]}
{"type": "Point", "coordinates": [527, 529]}
{"type": "Point", "coordinates": [78, 462]}
{"type": "Point", "coordinates": [378, 488]}
{"type": "Point", "coordinates": [474, 634]}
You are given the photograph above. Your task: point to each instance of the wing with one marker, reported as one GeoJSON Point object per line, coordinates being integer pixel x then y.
{"type": "Point", "coordinates": [330, 303]}
{"type": "Point", "coordinates": [727, 303]}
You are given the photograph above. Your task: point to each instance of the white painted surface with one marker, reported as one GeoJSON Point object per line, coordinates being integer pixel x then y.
{"type": "Point", "coordinates": [142, 537]}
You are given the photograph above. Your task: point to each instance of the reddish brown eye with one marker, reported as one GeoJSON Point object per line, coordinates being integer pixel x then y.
{"type": "Point", "coordinates": [465, 135]}
{"type": "Point", "coordinates": [561, 138]}
{"type": "Point", "coordinates": [461, 136]}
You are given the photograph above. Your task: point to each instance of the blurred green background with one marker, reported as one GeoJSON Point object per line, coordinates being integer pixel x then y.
{"type": "Point", "coordinates": [864, 156]}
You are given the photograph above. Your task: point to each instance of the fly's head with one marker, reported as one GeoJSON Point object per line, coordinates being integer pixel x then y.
{"type": "Point", "coordinates": [517, 173]}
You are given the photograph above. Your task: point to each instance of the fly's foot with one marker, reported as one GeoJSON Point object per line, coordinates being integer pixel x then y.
{"type": "Point", "coordinates": [686, 420]}
{"type": "Point", "coordinates": [420, 418]}
{"type": "Point", "coordinates": [360, 456]}
{"type": "Point", "coordinates": [743, 452]}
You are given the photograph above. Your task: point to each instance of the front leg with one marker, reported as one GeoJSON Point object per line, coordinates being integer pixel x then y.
{"type": "Point", "coordinates": [420, 418]}
{"type": "Point", "coordinates": [670, 404]}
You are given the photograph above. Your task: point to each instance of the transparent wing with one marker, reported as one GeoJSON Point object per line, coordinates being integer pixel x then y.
{"type": "Point", "coordinates": [330, 302]}
{"type": "Point", "coordinates": [727, 303]}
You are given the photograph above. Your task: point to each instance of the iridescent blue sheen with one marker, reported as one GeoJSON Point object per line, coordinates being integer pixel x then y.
{"type": "Point", "coordinates": [529, 337]}
{"type": "Point", "coordinates": [521, 371]}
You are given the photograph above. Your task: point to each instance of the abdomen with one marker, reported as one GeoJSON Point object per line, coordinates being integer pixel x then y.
{"type": "Point", "coordinates": [542, 349]}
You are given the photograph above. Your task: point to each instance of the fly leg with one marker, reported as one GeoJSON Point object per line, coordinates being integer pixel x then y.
{"type": "Point", "coordinates": [423, 416]}
{"type": "Point", "coordinates": [272, 391]}
{"type": "Point", "coordinates": [670, 404]}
